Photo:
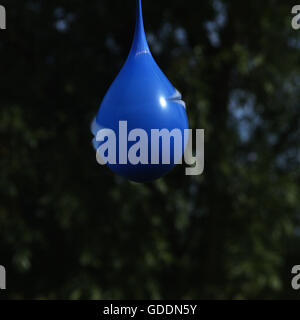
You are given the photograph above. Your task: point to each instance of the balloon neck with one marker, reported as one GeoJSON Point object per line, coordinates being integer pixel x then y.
{"type": "Point", "coordinates": [140, 44]}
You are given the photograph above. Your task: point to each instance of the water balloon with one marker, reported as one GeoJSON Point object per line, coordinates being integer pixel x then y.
{"type": "Point", "coordinates": [143, 96]}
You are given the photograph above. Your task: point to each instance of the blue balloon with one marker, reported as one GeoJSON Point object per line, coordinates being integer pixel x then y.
{"type": "Point", "coordinates": [143, 96]}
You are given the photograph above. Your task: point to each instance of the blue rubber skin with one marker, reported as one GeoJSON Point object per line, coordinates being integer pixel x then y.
{"type": "Point", "coordinates": [143, 96]}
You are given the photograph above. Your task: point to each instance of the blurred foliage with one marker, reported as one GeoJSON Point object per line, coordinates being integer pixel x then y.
{"type": "Point", "coordinates": [70, 229]}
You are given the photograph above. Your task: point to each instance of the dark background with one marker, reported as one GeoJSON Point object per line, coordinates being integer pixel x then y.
{"type": "Point", "coordinates": [70, 229]}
